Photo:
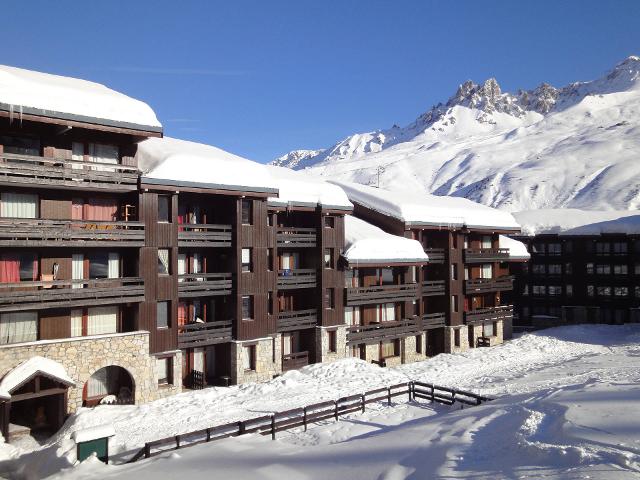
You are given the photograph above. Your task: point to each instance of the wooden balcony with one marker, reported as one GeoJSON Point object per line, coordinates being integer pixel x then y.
{"type": "Point", "coordinates": [431, 288]}
{"type": "Point", "coordinates": [204, 235]}
{"type": "Point", "coordinates": [503, 312]}
{"type": "Point", "coordinates": [484, 255]}
{"type": "Point", "coordinates": [35, 232]}
{"type": "Point", "coordinates": [203, 334]}
{"type": "Point", "coordinates": [296, 237]}
{"type": "Point", "coordinates": [297, 320]}
{"type": "Point", "coordinates": [293, 361]}
{"type": "Point", "coordinates": [381, 294]}
{"type": "Point", "coordinates": [70, 293]}
{"type": "Point", "coordinates": [204, 284]}
{"type": "Point", "coordinates": [436, 255]}
{"type": "Point", "coordinates": [57, 173]}
{"type": "Point", "coordinates": [299, 278]}
{"type": "Point", "coordinates": [378, 332]}
{"type": "Point", "coordinates": [487, 285]}
{"type": "Point", "coordinates": [433, 320]}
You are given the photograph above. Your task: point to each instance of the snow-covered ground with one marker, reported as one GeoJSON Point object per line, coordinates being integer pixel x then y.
{"type": "Point", "coordinates": [568, 406]}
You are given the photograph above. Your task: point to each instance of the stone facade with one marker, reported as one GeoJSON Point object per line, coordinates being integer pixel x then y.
{"type": "Point", "coordinates": [408, 349]}
{"type": "Point", "coordinates": [83, 356]}
{"type": "Point", "coordinates": [449, 339]}
{"type": "Point", "coordinates": [268, 360]}
{"type": "Point", "coordinates": [450, 347]}
{"type": "Point", "coordinates": [322, 344]}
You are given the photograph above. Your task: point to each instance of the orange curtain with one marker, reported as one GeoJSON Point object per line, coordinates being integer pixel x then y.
{"type": "Point", "coordinates": [10, 269]}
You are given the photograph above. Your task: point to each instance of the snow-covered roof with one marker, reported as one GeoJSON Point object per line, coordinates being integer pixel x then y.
{"type": "Point", "coordinates": [93, 433]}
{"type": "Point", "coordinates": [300, 189]}
{"type": "Point", "coordinates": [517, 250]}
{"type": "Point", "coordinates": [169, 161]}
{"type": "Point", "coordinates": [31, 368]}
{"type": "Point", "coordinates": [426, 209]}
{"type": "Point", "coordinates": [572, 221]}
{"type": "Point", "coordinates": [366, 243]}
{"type": "Point", "coordinates": [35, 93]}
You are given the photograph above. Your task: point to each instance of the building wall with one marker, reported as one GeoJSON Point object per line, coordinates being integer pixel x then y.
{"type": "Point", "coordinates": [322, 344]}
{"type": "Point", "coordinates": [268, 360]}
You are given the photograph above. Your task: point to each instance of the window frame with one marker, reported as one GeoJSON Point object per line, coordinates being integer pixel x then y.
{"type": "Point", "coordinates": [167, 309]}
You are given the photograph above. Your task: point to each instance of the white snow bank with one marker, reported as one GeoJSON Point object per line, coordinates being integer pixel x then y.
{"type": "Point", "coordinates": [366, 243]}
{"type": "Point", "coordinates": [29, 369]}
{"type": "Point", "coordinates": [517, 249]}
{"type": "Point", "coordinates": [179, 162]}
{"type": "Point", "coordinates": [54, 95]}
{"type": "Point", "coordinates": [298, 188]}
{"type": "Point", "coordinates": [426, 209]}
{"type": "Point", "coordinates": [572, 221]}
{"type": "Point", "coordinates": [93, 433]}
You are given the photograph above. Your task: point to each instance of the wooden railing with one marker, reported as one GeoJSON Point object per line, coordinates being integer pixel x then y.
{"type": "Point", "coordinates": [381, 294]}
{"type": "Point", "coordinates": [504, 312]}
{"type": "Point", "coordinates": [436, 255]}
{"type": "Point", "coordinates": [298, 278]}
{"type": "Point", "coordinates": [481, 255]}
{"type": "Point", "coordinates": [484, 285]}
{"type": "Point", "coordinates": [297, 320]}
{"type": "Point", "coordinates": [203, 334]}
{"type": "Point", "coordinates": [433, 320]}
{"type": "Point", "coordinates": [293, 361]}
{"type": "Point", "coordinates": [70, 293]}
{"type": "Point", "coordinates": [432, 288]}
{"type": "Point", "coordinates": [204, 235]}
{"type": "Point", "coordinates": [378, 332]}
{"type": "Point", "coordinates": [276, 422]}
{"type": "Point", "coordinates": [35, 232]}
{"type": "Point", "coordinates": [296, 237]}
{"type": "Point", "coordinates": [47, 171]}
{"type": "Point", "coordinates": [204, 284]}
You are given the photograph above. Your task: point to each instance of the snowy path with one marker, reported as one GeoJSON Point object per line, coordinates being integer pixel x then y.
{"type": "Point", "coordinates": [565, 404]}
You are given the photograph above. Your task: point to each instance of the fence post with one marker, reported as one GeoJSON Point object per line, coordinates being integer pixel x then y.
{"type": "Point", "coordinates": [409, 387]}
{"type": "Point", "coordinates": [336, 410]}
{"type": "Point", "coordinates": [389, 396]}
{"type": "Point", "coordinates": [453, 397]}
{"type": "Point", "coordinates": [362, 400]}
{"type": "Point", "coordinates": [273, 427]}
{"type": "Point", "coordinates": [177, 442]}
{"type": "Point", "coordinates": [478, 401]}
{"type": "Point", "coordinates": [433, 393]}
{"type": "Point", "coordinates": [147, 450]}
{"type": "Point", "coordinates": [208, 434]}
{"type": "Point", "coordinates": [304, 418]}
{"type": "Point", "coordinates": [241, 428]}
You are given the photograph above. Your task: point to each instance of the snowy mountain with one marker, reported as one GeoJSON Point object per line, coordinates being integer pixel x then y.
{"type": "Point", "coordinates": [576, 146]}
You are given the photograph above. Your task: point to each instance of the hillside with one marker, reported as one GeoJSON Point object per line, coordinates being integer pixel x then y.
{"type": "Point", "coordinates": [575, 146]}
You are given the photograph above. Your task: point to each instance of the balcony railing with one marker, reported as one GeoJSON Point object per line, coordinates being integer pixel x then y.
{"type": "Point", "coordinates": [297, 320]}
{"type": "Point", "coordinates": [203, 334]}
{"type": "Point", "coordinates": [482, 255]}
{"type": "Point", "coordinates": [378, 332]}
{"type": "Point", "coordinates": [69, 293]}
{"type": "Point", "coordinates": [35, 232]}
{"type": "Point", "coordinates": [436, 255]}
{"type": "Point", "coordinates": [432, 288]}
{"type": "Point", "coordinates": [293, 361]}
{"type": "Point", "coordinates": [299, 278]}
{"type": "Point", "coordinates": [46, 171]}
{"type": "Point", "coordinates": [504, 312]}
{"type": "Point", "coordinates": [433, 320]}
{"type": "Point", "coordinates": [204, 235]}
{"type": "Point", "coordinates": [486, 285]}
{"type": "Point", "coordinates": [296, 237]}
{"type": "Point", "coordinates": [204, 284]}
{"type": "Point", "coordinates": [381, 294]}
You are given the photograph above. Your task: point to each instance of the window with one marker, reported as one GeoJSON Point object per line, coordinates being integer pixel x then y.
{"type": "Point", "coordinates": [486, 271]}
{"type": "Point", "coordinates": [329, 222]}
{"type": "Point", "coordinates": [270, 303]}
{"type": "Point", "coordinates": [454, 271]}
{"type": "Point", "coordinates": [20, 145]}
{"type": "Point", "coordinates": [247, 212]}
{"type": "Point", "coordinates": [568, 289]}
{"type": "Point", "coordinates": [387, 312]}
{"type": "Point", "coordinates": [246, 260]}
{"type": "Point", "coordinates": [604, 291]}
{"type": "Point", "coordinates": [418, 343]}
{"type": "Point", "coordinates": [488, 329]}
{"type": "Point", "coordinates": [162, 315]}
{"type": "Point", "coordinates": [539, 269]}
{"type": "Point", "coordinates": [329, 301]}
{"type": "Point", "coordinates": [603, 269]}
{"type": "Point", "coordinates": [413, 274]}
{"type": "Point", "coordinates": [18, 327]}
{"type": "Point", "coordinates": [271, 219]}
{"type": "Point", "coordinates": [486, 241]}
{"type": "Point", "coordinates": [390, 349]}
{"type": "Point", "coordinates": [603, 248]}
{"type": "Point", "coordinates": [270, 259]}
{"type": "Point", "coordinates": [415, 308]}
{"type": "Point", "coordinates": [568, 246]}
{"type": "Point", "coordinates": [164, 213]}
{"type": "Point", "coordinates": [164, 368]}
{"type": "Point", "coordinates": [18, 205]}
{"type": "Point", "coordinates": [620, 248]}
{"type": "Point", "coordinates": [352, 316]}
{"type": "Point", "coordinates": [454, 303]}
{"type": "Point", "coordinates": [333, 341]}
{"type": "Point", "coordinates": [555, 290]}
{"type": "Point", "coordinates": [525, 290]}
{"type": "Point", "coordinates": [620, 269]}
{"type": "Point", "coordinates": [636, 291]}
{"type": "Point", "coordinates": [163, 261]}
{"type": "Point", "coordinates": [590, 268]}
{"type": "Point", "coordinates": [539, 290]}
{"type": "Point", "coordinates": [590, 290]}
{"type": "Point", "coordinates": [636, 268]}
{"type": "Point", "coordinates": [387, 276]}
{"type": "Point", "coordinates": [249, 357]}
{"type": "Point", "coordinates": [18, 267]}
{"type": "Point", "coordinates": [456, 337]}
{"type": "Point", "coordinates": [554, 249]}
{"type": "Point", "coordinates": [99, 265]}
{"type": "Point", "coordinates": [539, 248]}
{"type": "Point", "coordinates": [328, 258]}
{"type": "Point", "coordinates": [101, 320]}
{"type": "Point", "coordinates": [568, 269]}
{"type": "Point", "coordinates": [247, 307]}
{"type": "Point", "coordinates": [621, 291]}
{"type": "Point", "coordinates": [554, 269]}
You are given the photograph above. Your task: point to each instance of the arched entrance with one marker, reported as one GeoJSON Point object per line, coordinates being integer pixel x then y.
{"type": "Point", "coordinates": [109, 385]}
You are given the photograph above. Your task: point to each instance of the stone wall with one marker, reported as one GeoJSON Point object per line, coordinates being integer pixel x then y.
{"type": "Point", "coordinates": [322, 344]}
{"type": "Point", "coordinates": [83, 356]}
{"type": "Point", "coordinates": [268, 360]}
{"type": "Point", "coordinates": [408, 346]}
{"type": "Point", "coordinates": [449, 339]}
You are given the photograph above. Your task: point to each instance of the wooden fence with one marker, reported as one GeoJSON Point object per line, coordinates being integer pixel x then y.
{"type": "Point", "coordinates": [303, 416]}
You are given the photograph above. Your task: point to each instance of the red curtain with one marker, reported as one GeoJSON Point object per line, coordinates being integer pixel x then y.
{"type": "Point", "coordinates": [182, 313]}
{"type": "Point", "coordinates": [77, 207]}
{"type": "Point", "coordinates": [101, 209]}
{"type": "Point", "coordinates": [10, 269]}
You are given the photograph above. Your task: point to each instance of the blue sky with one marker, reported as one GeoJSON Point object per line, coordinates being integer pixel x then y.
{"type": "Point", "coordinates": [260, 78]}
